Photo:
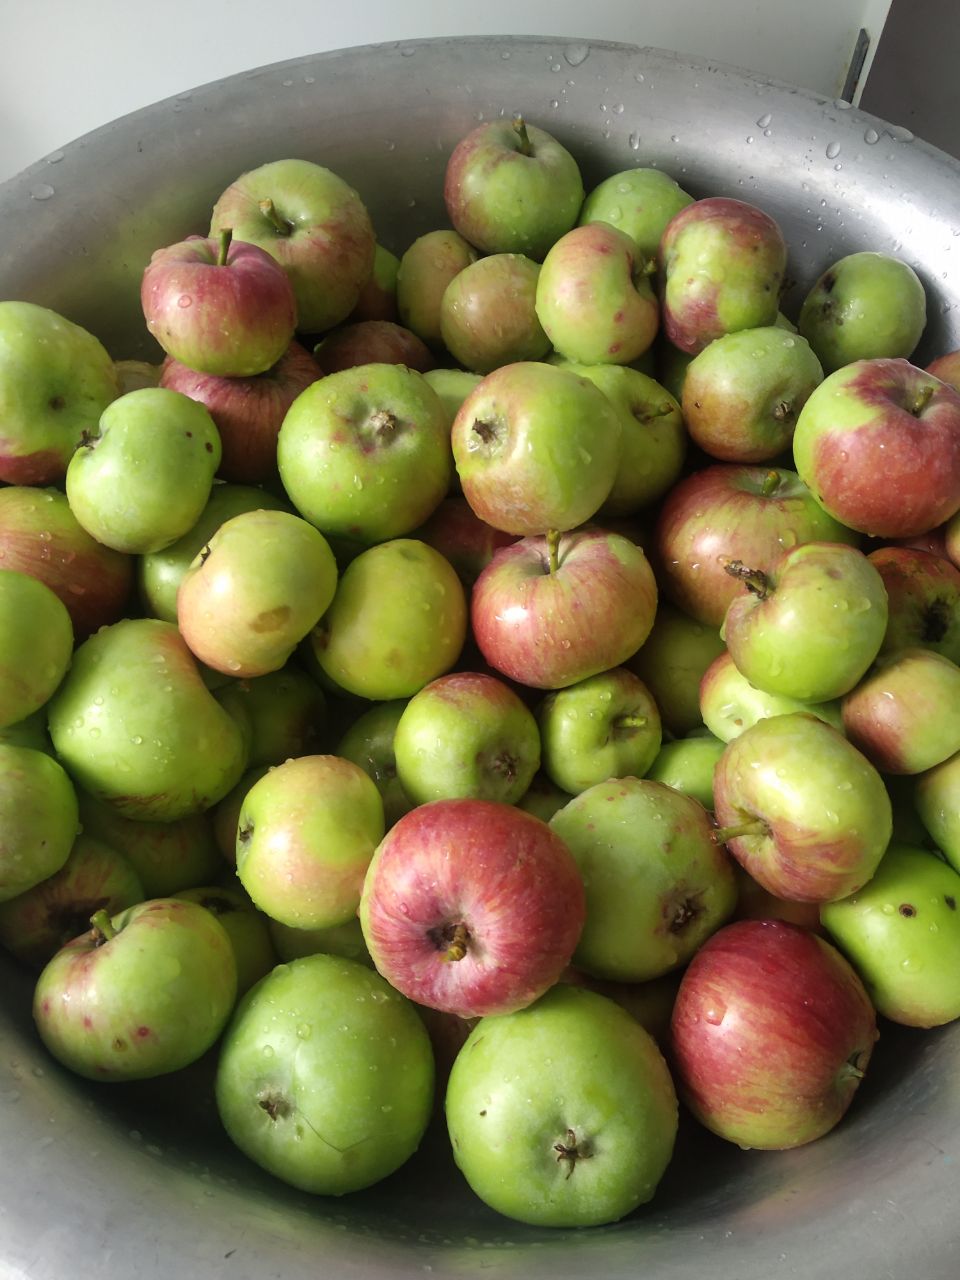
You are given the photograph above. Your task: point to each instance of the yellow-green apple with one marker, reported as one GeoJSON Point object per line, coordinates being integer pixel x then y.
{"type": "Point", "coordinates": [365, 453]}
{"type": "Point", "coordinates": [671, 662]}
{"type": "Point", "coordinates": [542, 798]}
{"type": "Point", "coordinates": [512, 188]}
{"type": "Point", "coordinates": [140, 994]}
{"type": "Point", "coordinates": [937, 800]}
{"type": "Point", "coordinates": [141, 479]}
{"type": "Point", "coordinates": [167, 856]}
{"type": "Point", "coordinates": [901, 932]}
{"type": "Point", "coordinates": [452, 386]}
{"type": "Point", "coordinates": [729, 703]}
{"type": "Point", "coordinates": [287, 712]}
{"type": "Point", "coordinates": [639, 202]}
{"type": "Point", "coordinates": [657, 881]}
{"type": "Point", "coordinates": [247, 412]}
{"type": "Point", "coordinates": [425, 271]}
{"type": "Point", "coordinates": [878, 443]}
{"type": "Point", "coordinates": [225, 818]}
{"type": "Point", "coordinates": [687, 765]}
{"type": "Point", "coordinates": [810, 626]}
{"type": "Point", "coordinates": [369, 743]}
{"type": "Point", "coordinates": [801, 809]}
{"type": "Point", "coordinates": [606, 726]}
{"type": "Point", "coordinates": [345, 1093]}
{"type": "Point", "coordinates": [36, 645]}
{"type": "Point", "coordinates": [255, 590]}
{"type": "Point", "coordinates": [38, 818]}
{"type": "Point", "coordinates": [771, 1034]}
{"type": "Point", "coordinates": [905, 714]}
{"type": "Point", "coordinates": [466, 735]}
{"type": "Point", "coordinates": [55, 381]}
{"type": "Point", "coordinates": [316, 227]}
{"type": "Point", "coordinates": [732, 512]}
{"type": "Point", "coordinates": [306, 833]}
{"type": "Point", "coordinates": [722, 263]}
{"type": "Point", "coordinates": [864, 306]}
{"type": "Point", "coordinates": [743, 393]}
{"type": "Point", "coordinates": [923, 591]}
{"type": "Point", "coordinates": [536, 608]}
{"type": "Point", "coordinates": [488, 313]}
{"type": "Point", "coordinates": [339, 940]}
{"type": "Point", "coordinates": [586, 1150]}
{"type": "Point", "coordinates": [218, 305]}
{"type": "Point", "coordinates": [245, 927]}
{"type": "Point", "coordinates": [594, 298]}
{"type": "Point", "coordinates": [536, 448]}
{"type": "Point", "coordinates": [371, 342]}
{"type": "Point", "coordinates": [397, 621]}
{"type": "Point", "coordinates": [472, 907]}
{"type": "Point", "coordinates": [41, 536]}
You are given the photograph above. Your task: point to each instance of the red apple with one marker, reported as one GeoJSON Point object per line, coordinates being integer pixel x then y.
{"type": "Point", "coordinates": [372, 342]}
{"type": "Point", "coordinates": [472, 907]}
{"type": "Point", "coordinates": [947, 368]}
{"type": "Point", "coordinates": [550, 613]}
{"type": "Point", "coordinates": [468, 542]}
{"type": "Point", "coordinates": [771, 1033]}
{"type": "Point", "coordinates": [248, 412]}
{"type": "Point", "coordinates": [923, 591]}
{"type": "Point", "coordinates": [905, 714]}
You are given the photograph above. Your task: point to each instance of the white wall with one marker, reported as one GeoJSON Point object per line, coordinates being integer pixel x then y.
{"type": "Point", "coordinates": [67, 66]}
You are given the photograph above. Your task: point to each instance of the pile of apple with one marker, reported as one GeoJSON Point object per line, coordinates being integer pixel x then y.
{"type": "Point", "coordinates": [361, 704]}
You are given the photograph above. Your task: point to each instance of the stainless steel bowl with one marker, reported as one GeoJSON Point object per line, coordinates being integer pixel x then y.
{"type": "Point", "coordinates": [138, 1180]}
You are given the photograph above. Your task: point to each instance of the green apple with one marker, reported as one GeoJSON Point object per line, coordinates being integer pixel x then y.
{"type": "Point", "coordinates": [325, 1077]}
{"type": "Point", "coordinates": [397, 621]}
{"type": "Point", "coordinates": [369, 743]}
{"type": "Point", "coordinates": [657, 882]}
{"type": "Point", "coordinates": [901, 932]}
{"type": "Point", "coordinates": [344, 940]}
{"type": "Point", "coordinates": [937, 801]}
{"type": "Point", "coordinates": [687, 765]}
{"type": "Point", "coordinates": [543, 798]}
{"type": "Point", "coordinates": [38, 819]}
{"type": "Point", "coordinates": [36, 645]}
{"type": "Point", "coordinates": [452, 386]}
{"type": "Point", "coordinates": [287, 713]}
{"type": "Point", "coordinates": [245, 927]}
{"type": "Point", "coordinates": [639, 202]}
{"type": "Point", "coordinates": [562, 1114]}
{"type": "Point", "coordinates": [488, 315]}
{"type": "Point", "coordinates": [671, 662]}
{"type": "Point", "coordinates": [729, 703]}
{"type": "Point", "coordinates": [425, 271]}
{"type": "Point", "coordinates": [55, 380]}
{"type": "Point", "coordinates": [606, 726]}
{"type": "Point", "coordinates": [140, 480]}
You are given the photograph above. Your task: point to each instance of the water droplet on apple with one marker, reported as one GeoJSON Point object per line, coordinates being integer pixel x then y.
{"type": "Point", "coordinates": [268, 1050]}
{"type": "Point", "coordinates": [715, 1014]}
{"type": "Point", "coordinates": [304, 1031]}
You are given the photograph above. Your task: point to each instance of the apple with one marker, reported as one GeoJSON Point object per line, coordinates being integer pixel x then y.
{"type": "Point", "coordinates": [378, 297]}
{"type": "Point", "coordinates": [132, 375]}
{"type": "Point", "coordinates": [36, 645]}
{"type": "Point", "coordinates": [771, 1034]}
{"type": "Point", "coordinates": [140, 994]}
{"type": "Point", "coordinates": [905, 714]}
{"type": "Point", "coordinates": [218, 305]}
{"type": "Point", "coordinates": [426, 268]}
{"type": "Point", "coordinates": [365, 453]}
{"type": "Point", "coordinates": [468, 542]}
{"type": "Point", "coordinates": [639, 202]}
{"type": "Point", "coordinates": [41, 536]}
{"type": "Point", "coordinates": [542, 798]}
{"type": "Point", "coordinates": [756, 903]}
{"type": "Point", "coordinates": [344, 940]}
{"type": "Point", "coordinates": [722, 263]}
{"type": "Point", "coordinates": [466, 735]}
{"type": "Point", "coordinates": [606, 726]}
{"type": "Point", "coordinates": [923, 591]}
{"type": "Point", "coordinates": [471, 907]}
{"type": "Point", "coordinates": [864, 306]}
{"type": "Point", "coordinates": [729, 703]}
{"type": "Point", "coordinates": [316, 227]}
{"type": "Point", "coordinates": [156, 750]}
{"type": "Point", "coordinates": [371, 342]}
{"type": "Point", "coordinates": [287, 712]}
{"type": "Point", "coordinates": [510, 187]}
{"type": "Point", "coordinates": [801, 809]}
{"type": "Point", "coordinates": [732, 512]}
{"type": "Point", "coordinates": [225, 818]}
{"type": "Point", "coordinates": [38, 818]}
{"type": "Point", "coordinates": [325, 1076]}
{"type": "Point", "coordinates": [657, 882]}
{"type": "Point", "coordinates": [452, 386]}
{"type": "Point", "coordinates": [810, 626]}
{"type": "Point", "coordinates": [141, 479]}
{"type": "Point", "coordinates": [536, 448]}
{"type": "Point", "coordinates": [687, 765]}
{"type": "Point", "coordinates": [488, 314]}
{"type": "Point", "coordinates": [562, 1114]}
{"type": "Point", "coordinates": [247, 412]}
{"type": "Point", "coordinates": [878, 442]}
{"type": "Point", "coordinates": [244, 926]}
{"type": "Point", "coordinates": [936, 797]}
{"type": "Point", "coordinates": [306, 833]}
{"type": "Point", "coordinates": [672, 661]}
{"type": "Point", "coordinates": [55, 381]}
{"type": "Point", "coordinates": [256, 589]}
{"type": "Point", "coordinates": [743, 393]}
{"type": "Point", "coordinates": [398, 620]}
{"type": "Point", "coordinates": [38, 922]}
{"type": "Point", "coordinates": [369, 743]}
{"type": "Point", "coordinates": [901, 932]}
{"type": "Point", "coordinates": [548, 613]}
{"type": "Point", "coordinates": [594, 298]}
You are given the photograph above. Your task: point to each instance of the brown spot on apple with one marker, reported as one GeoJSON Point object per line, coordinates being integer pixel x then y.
{"type": "Point", "coordinates": [270, 619]}
{"type": "Point", "coordinates": [907, 909]}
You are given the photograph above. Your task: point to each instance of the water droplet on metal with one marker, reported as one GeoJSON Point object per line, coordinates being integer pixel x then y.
{"type": "Point", "coordinates": [42, 191]}
{"type": "Point", "coordinates": [870, 137]}
{"type": "Point", "coordinates": [576, 54]}
{"type": "Point", "coordinates": [833, 150]}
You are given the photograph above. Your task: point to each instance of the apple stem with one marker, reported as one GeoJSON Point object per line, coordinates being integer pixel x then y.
{"type": "Point", "coordinates": [629, 722]}
{"type": "Point", "coordinates": [458, 943]}
{"type": "Point", "coordinates": [754, 580]}
{"type": "Point", "coordinates": [922, 399]}
{"type": "Point", "coordinates": [102, 927]}
{"type": "Point", "coordinates": [269, 211]}
{"type": "Point", "coordinates": [553, 550]}
{"type": "Point", "coordinates": [771, 482]}
{"type": "Point", "coordinates": [520, 128]}
{"type": "Point", "coordinates": [226, 235]}
{"type": "Point", "coordinates": [753, 827]}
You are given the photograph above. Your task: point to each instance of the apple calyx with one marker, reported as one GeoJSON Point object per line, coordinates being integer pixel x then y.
{"type": "Point", "coordinates": [102, 927]}
{"type": "Point", "coordinates": [506, 765]}
{"type": "Point", "coordinates": [245, 833]}
{"type": "Point", "coordinates": [688, 910]}
{"type": "Point", "coordinates": [451, 939]}
{"type": "Point", "coordinates": [382, 423]}
{"type": "Point", "coordinates": [520, 129]}
{"type": "Point", "coordinates": [783, 411]}
{"type": "Point", "coordinates": [226, 235]}
{"type": "Point", "coordinates": [486, 436]}
{"type": "Point", "coordinates": [275, 1105]}
{"type": "Point", "coordinates": [282, 226]}
{"type": "Point", "coordinates": [89, 438]}
{"type": "Point", "coordinates": [936, 620]}
{"type": "Point", "coordinates": [851, 1070]}
{"type": "Point", "coordinates": [755, 580]}
{"type": "Point", "coordinates": [569, 1151]}
{"type": "Point", "coordinates": [750, 827]}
